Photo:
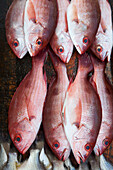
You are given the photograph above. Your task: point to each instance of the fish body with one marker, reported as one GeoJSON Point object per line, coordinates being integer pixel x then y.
{"type": "Point", "coordinates": [102, 44]}
{"type": "Point", "coordinates": [105, 92]}
{"type": "Point", "coordinates": [82, 112]}
{"type": "Point", "coordinates": [39, 23]}
{"type": "Point", "coordinates": [52, 120]}
{"type": "Point", "coordinates": [14, 25]}
{"type": "Point", "coordinates": [61, 42]}
{"type": "Point", "coordinates": [25, 111]}
{"type": "Point", "coordinates": [83, 18]}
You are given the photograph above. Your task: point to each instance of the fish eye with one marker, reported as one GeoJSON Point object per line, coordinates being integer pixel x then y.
{"type": "Point", "coordinates": [15, 43]}
{"type": "Point", "coordinates": [87, 147]}
{"type": "Point", "coordinates": [99, 49]}
{"type": "Point", "coordinates": [39, 42]}
{"type": "Point", "coordinates": [85, 40]}
{"type": "Point", "coordinates": [60, 49]}
{"type": "Point", "coordinates": [18, 138]}
{"type": "Point", "coordinates": [105, 142]}
{"type": "Point", "coordinates": [56, 144]}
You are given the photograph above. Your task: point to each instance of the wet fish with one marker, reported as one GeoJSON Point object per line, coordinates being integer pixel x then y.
{"type": "Point", "coordinates": [83, 18]}
{"type": "Point", "coordinates": [105, 92]}
{"type": "Point", "coordinates": [82, 112]}
{"type": "Point", "coordinates": [102, 44]}
{"type": "Point", "coordinates": [14, 25]}
{"type": "Point", "coordinates": [52, 120]}
{"type": "Point", "coordinates": [25, 111]}
{"type": "Point", "coordinates": [39, 23]}
{"type": "Point", "coordinates": [61, 42]}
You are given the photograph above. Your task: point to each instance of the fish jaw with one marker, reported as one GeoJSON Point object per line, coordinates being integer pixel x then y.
{"type": "Point", "coordinates": [22, 134]}
{"type": "Point", "coordinates": [101, 146]}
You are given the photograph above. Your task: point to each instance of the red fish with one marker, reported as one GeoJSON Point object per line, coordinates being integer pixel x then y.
{"type": "Point", "coordinates": [52, 120]}
{"type": "Point", "coordinates": [61, 42]}
{"type": "Point", "coordinates": [25, 111]}
{"type": "Point", "coordinates": [14, 25]}
{"type": "Point", "coordinates": [82, 112]}
{"type": "Point", "coordinates": [39, 23]}
{"type": "Point", "coordinates": [105, 92]}
{"type": "Point", "coordinates": [102, 45]}
{"type": "Point", "coordinates": [83, 20]}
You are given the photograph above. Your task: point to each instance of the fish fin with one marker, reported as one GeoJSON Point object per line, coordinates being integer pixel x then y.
{"type": "Point", "coordinates": [31, 11]}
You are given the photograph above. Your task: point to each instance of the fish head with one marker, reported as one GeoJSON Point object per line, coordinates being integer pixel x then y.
{"type": "Point", "coordinates": [36, 39]}
{"type": "Point", "coordinates": [22, 135]}
{"type": "Point", "coordinates": [101, 47]}
{"type": "Point", "coordinates": [15, 38]}
{"type": "Point", "coordinates": [82, 39]}
{"type": "Point", "coordinates": [104, 139]}
{"type": "Point", "coordinates": [62, 46]}
{"type": "Point", "coordinates": [101, 145]}
{"type": "Point", "coordinates": [59, 143]}
{"type": "Point", "coordinates": [82, 145]}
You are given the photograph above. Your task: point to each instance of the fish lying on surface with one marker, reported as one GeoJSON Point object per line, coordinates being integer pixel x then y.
{"type": "Point", "coordinates": [14, 25]}
{"type": "Point", "coordinates": [105, 92]}
{"type": "Point", "coordinates": [82, 111]}
{"type": "Point", "coordinates": [102, 44]}
{"type": "Point", "coordinates": [39, 23]}
{"type": "Point", "coordinates": [61, 42]}
{"type": "Point", "coordinates": [83, 18]}
{"type": "Point", "coordinates": [52, 119]}
{"type": "Point", "coordinates": [25, 110]}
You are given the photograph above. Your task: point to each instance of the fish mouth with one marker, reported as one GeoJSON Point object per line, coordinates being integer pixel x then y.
{"type": "Point", "coordinates": [64, 155]}
{"type": "Point", "coordinates": [80, 51]}
{"type": "Point", "coordinates": [23, 53]}
{"type": "Point", "coordinates": [80, 157]}
{"type": "Point", "coordinates": [23, 151]}
{"type": "Point", "coordinates": [97, 150]}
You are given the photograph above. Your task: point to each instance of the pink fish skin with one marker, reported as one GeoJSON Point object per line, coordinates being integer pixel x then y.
{"type": "Point", "coordinates": [83, 18]}
{"type": "Point", "coordinates": [39, 23]}
{"type": "Point", "coordinates": [61, 42]}
{"type": "Point", "coordinates": [25, 111]}
{"type": "Point", "coordinates": [52, 119]}
{"type": "Point", "coordinates": [14, 25]}
{"type": "Point", "coordinates": [102, 44]}
{"type": "Point", "coordinates": [105, 92]}
{"type": "Point", "coordinates": [82, 112]}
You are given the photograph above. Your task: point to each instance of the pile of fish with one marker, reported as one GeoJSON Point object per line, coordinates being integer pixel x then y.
{"type": "Point", "coordinates": [76, 114]}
